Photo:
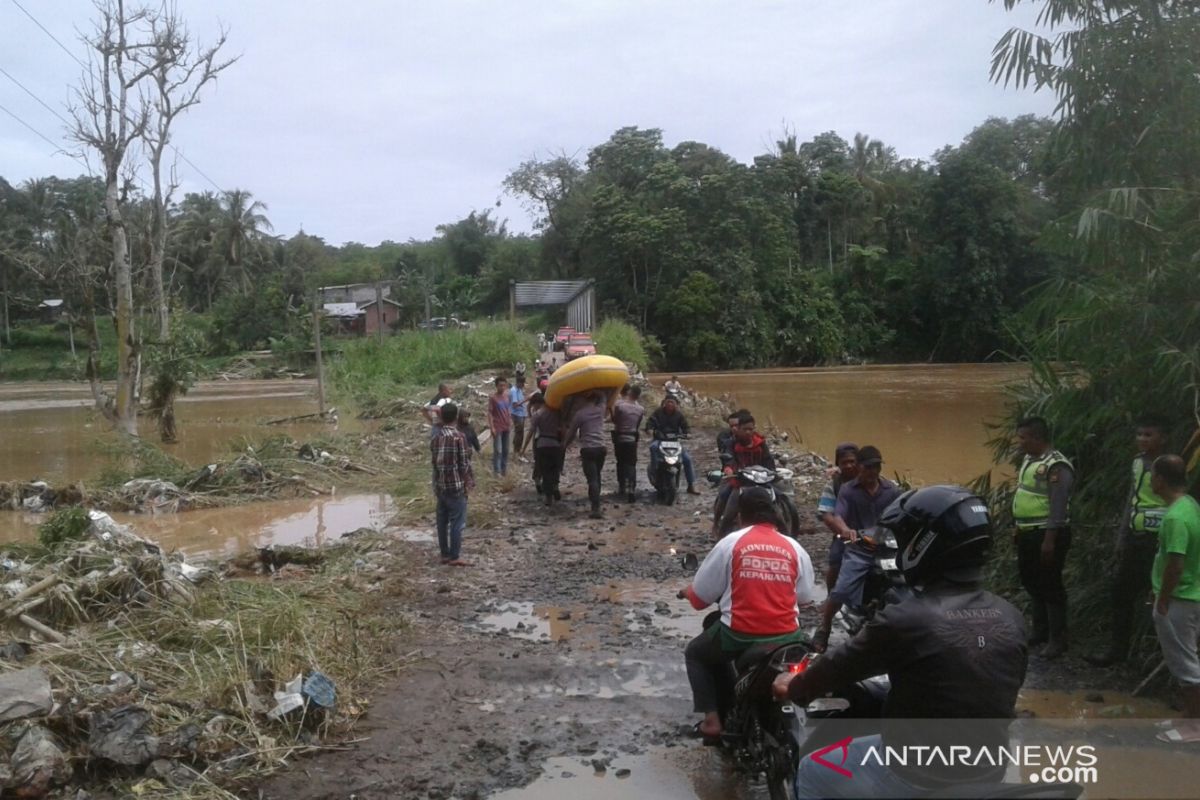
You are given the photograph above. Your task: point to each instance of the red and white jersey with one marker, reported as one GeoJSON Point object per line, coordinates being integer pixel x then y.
{"type": "Point", "coordinates": [760, 577]}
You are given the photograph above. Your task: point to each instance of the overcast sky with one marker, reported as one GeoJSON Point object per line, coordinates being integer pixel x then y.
{"type": "Point", "coordinates": [366, 120]}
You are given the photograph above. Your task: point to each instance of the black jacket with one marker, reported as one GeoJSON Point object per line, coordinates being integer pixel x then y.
{"type": "Point", "coordinates": [663, 425]}
{"type": "Point", "coordinates": [952, 653]}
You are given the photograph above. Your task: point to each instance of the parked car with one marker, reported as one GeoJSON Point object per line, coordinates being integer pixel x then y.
{"type": "Point", "coordinates": [579, 344]}
{"type": "Point", "coordinates": [560, 338]}
{"type": "Point", "coordinates": [433, 324]}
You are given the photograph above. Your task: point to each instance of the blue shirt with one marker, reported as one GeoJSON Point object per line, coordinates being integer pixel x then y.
{"type": "Point", "coordinates": [515, 396]}
{"type": "Point", "coordinates": [860, 510]}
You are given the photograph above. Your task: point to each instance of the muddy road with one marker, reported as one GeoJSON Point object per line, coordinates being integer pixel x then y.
{"type": "Point", "coordinates": [561, 645]}
{"type": "Point", "coordinates": [553, 667]}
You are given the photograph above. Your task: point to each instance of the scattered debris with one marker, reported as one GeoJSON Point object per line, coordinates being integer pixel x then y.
{"type": "Point", "coordinates": [24, 693]}
{"type": "Point", "coordinates": [122, 736]}
{"type": "Point", "coordinates": [38, 764]}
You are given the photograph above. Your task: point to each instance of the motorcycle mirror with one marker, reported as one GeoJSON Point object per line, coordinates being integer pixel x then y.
{"type": "Point", "coordinates": [691, 563]}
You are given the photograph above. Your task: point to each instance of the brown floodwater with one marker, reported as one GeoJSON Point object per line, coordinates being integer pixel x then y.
{"type": "Point", "coordinates": [218, 532]}
{"type": "Point", "coordinates": [51, 432]}
{"type": "Point", "coordinates": [928, 419]}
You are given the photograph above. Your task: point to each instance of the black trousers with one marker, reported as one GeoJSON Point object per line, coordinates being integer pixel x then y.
{"type": "Point", "coordinates": [547, 467]}
{"type": "Point", "coordinates": [593, 467]}
{"type": "Point", "coordinates": [1044, 583]}
{"type": "Point", "coordinates": [709, 671]}
{"type": "Point", "coordinates": [626, 454]}
{"type": "Point", "coordinates": [1131, 584]}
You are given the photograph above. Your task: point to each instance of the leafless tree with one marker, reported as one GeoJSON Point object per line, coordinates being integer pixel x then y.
{"type": "Point", "coordinates": [178, 70]}
{"type": "Point", "coordinates": [110, 113]}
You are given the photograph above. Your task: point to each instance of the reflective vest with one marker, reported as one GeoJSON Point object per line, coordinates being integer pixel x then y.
{"type": "Point", "coordinates": [1031, 502]}
{"type": "Point", "coordinates": [1146, 509]}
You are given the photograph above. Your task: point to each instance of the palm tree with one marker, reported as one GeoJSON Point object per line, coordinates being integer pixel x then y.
{"type": "Point", "coordinates": [242, 225]}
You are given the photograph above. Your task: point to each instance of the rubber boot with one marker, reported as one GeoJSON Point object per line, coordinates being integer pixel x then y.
{"type": "Point", "coordinates": [1057, 646]}
{"type": "Point", "coordinates": [1041, 625]}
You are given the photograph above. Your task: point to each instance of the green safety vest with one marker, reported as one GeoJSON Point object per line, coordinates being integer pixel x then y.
{"type": "Point", "coordinates": [1146, 509]}
{"type": "Point", "coordinates": [1031, 502]}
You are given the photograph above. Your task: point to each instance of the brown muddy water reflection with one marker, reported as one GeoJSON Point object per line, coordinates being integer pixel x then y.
{"type": "Point", "coordinates": [50, 432]}
{"type": "Point", "coordinates": [927, 419]}
{"type": "Point", "coordinates": [218, 532]}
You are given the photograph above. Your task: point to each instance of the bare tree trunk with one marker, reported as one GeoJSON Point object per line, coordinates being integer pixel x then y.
{"type": "Point", "coordinates": [127, 345]}
{"type": "Point", "coordinates": [7, 329]}
{"type": "Point", "coordinates": [92, 370]}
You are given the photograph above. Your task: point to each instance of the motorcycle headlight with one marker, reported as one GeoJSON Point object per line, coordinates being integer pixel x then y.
{"type": "Point", "coordinates": [888, 539]}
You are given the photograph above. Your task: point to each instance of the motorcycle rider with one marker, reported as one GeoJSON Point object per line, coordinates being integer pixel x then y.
{"type": "Point", "coordinates": [669, 422]}
{"type": "Point", "coordinates": [859, 506]}
{"type": "Point", "coordinates": [952, 650]}
{"type": "Point", "coordinates": [845, 459]}
{"type": "Point", "coordinates": [749, 449]}
{"type": "Point", "coordinates": [726, 437]}
{"type": "Point", "coordinates": [760, 578]}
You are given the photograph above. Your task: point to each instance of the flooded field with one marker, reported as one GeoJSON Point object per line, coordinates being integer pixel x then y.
{"type": "Point", "coordinates": [218, 532]}
{"type": "Point", "coordinates": [52, 432]}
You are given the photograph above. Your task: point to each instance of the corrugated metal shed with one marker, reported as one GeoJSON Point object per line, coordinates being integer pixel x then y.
{"type": "Point", "coordinates": [547, 293]}
{"type": "Point", "coordinates": [341, 309]}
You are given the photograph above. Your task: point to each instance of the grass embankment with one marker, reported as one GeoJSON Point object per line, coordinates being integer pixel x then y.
{"type": "Point", "coordinates": [203, 661]}
{"type": "Point", "coordinates": [371, 375]}
{"type": "Point", "coordinates": [622, 340]}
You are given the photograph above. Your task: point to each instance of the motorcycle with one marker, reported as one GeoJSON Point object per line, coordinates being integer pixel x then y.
{"type": "Point", "coordinates": [664, 476]}
{"type": "Point", "coordinates": [760, 733]}
{"type": "Point", "coordinates": [884, 584]}
{"type": "Point", "coordinates": [779, 480]}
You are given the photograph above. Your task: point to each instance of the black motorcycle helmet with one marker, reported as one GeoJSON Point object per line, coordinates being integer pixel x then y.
{"type": "Point", "coordinates": [941, 532]}
{"type": "Point", "coordinates": [757, 504]}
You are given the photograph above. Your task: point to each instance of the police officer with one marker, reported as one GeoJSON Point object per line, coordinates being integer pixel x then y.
{"type": "Point", "coordinates": [1137, 541]}
{"type": "Point", "coordinates": [1039, 510]}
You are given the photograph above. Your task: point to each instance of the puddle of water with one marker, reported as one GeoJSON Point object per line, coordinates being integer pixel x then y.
{"type": "Point", "coordinates": [678, 774]}
{"type": "Point", "coordinates": [1049, 704]}
{"type": "Point", "coordinates": [225, 531]}
{"type": "Point", "coordinates": [50, 432]}
{"type": "Point", "coordinates": [535, 623]}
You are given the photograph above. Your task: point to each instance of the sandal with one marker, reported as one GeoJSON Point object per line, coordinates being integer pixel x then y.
{"type": "Point", "coordinates": [708, 740]}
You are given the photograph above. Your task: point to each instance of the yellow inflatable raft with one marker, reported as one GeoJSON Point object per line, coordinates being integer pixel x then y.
{"type": "Point", "coordinates": [584, 375]}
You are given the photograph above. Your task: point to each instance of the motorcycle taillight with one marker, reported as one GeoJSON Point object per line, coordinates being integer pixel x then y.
{"type": "Point", "coordinates": [798, 667]}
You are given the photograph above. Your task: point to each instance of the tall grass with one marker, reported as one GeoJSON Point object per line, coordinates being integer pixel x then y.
{"type": "Point", "coordinates": [371, 373]}
{"type": "Point", "coordinates": [621, 340]}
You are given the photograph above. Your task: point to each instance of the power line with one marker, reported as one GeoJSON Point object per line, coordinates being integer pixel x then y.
{"type": "Point", "coordinates": [48, 33]}
{"type": "Point", "coordinates": [44, 105]}
{"type": "Point", "coordinates": [57, 147]}
{"type": "Point", "coordinates": [80, 62]}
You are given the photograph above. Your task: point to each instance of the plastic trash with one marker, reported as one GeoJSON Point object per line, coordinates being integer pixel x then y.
{"type": "Point", "coordinates": [24, 693]}
{"type": "Point", "coordinates": [320, 690]}
{"type": "Point", "coordinates": [288, 700]}
{"type": "Point", "coordinates": [123, 736]}
{"type": "Point", "coordinates": [38, 763]}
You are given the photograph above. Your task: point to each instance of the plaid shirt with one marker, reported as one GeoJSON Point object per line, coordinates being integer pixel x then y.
{"type": "Point", "coordinates": [451, 464]}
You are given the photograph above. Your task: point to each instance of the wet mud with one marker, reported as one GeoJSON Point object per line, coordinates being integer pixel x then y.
{"type": "Point", "coordinates": [557, 653]}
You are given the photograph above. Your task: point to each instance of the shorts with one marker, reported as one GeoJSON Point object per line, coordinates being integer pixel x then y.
{"type": "Point", "coordinates": [1178, 632]}
{"type": "Point", "coordinates": [852, 577]}
{"type": "Point", "coordinates": [836, 548]}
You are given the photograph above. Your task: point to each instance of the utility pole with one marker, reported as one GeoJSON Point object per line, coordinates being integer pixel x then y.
{"type": "Point", "coordinates": [379, 309]}
{"type": "Point", "coordinates": [512, 301]}
{"type": "Point", "coordinates": [317, 342]}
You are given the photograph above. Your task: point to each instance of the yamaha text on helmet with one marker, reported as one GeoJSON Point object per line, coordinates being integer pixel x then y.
{"type": "Point", "coordinates": [941, 532]}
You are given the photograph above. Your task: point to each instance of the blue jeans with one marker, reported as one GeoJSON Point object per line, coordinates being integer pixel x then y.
{"type": "Point", "coordinates": [451, 519]}
{"type": "Point", "coordinates": [500, 452]}
{"type": "Point", "coordinates": [814, 780]}
{"type": "Point", "coordinates": [688, 472]}
{"type": "Point", "coordinates": [852, 579]}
